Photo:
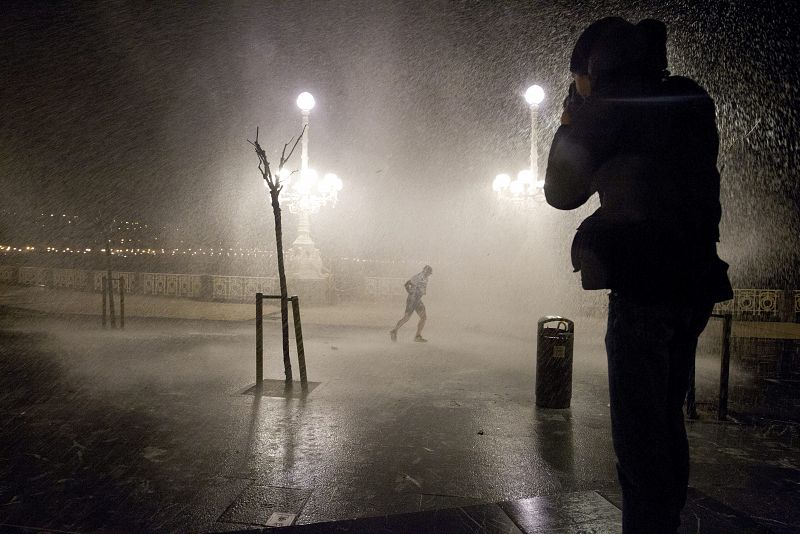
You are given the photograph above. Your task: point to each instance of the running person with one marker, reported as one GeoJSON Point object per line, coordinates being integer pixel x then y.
{"type": "Point", "coordinates": [416, 288]}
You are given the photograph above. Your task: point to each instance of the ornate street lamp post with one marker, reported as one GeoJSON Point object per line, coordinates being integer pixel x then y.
{"type": "Point", "coordinates": [534, 96]}
{"type": "Point", "coordinates": [306, 102]}
{"type": "Point", "coordinates": [306, 194]}
{"type": "Point", "coordinates": [527, 188]}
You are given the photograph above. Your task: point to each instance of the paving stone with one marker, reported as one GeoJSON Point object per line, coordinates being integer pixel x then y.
{"type": "Point", "coordinates": [488, 519]}
{"type": "Point", "coordinates": [586, 512]}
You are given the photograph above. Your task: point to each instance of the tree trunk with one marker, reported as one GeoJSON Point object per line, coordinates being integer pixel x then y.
{"type": "Point", "coordinates": [276, 210]}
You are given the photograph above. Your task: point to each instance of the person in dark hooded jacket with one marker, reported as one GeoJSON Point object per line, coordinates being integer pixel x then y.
{"type": "Point", "coordinates": [647, 144]}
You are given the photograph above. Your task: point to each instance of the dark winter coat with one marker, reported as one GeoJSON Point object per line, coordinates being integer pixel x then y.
{"type": "Point", "coordinates": [649, 148]}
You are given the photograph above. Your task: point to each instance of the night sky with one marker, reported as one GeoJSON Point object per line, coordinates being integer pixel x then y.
{"type": "Point", "coordinates": [143, 110]}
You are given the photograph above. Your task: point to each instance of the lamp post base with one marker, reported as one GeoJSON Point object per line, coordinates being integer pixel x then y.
{"type": "Point", "coordinates": [305, 263]}
{"type": "Point", "coordinates": [307, 276]}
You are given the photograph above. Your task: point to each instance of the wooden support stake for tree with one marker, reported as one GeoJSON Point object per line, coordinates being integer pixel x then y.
{"type": "Point", "coordinates": [110, 282]}
{"type": "Point", "coordinates": [104, 289]}
{"type": "Point", "coordinates": [298, 338]}
{"type": "Point", "coordinates": [122, 303]}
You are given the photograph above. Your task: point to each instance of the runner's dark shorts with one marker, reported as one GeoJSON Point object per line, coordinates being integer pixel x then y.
{"type": "Point", "coordinates": [414, 303]}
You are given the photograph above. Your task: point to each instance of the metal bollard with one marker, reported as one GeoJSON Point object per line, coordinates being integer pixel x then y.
{"type": "Point", "coordinates": [724, 373]}
{"type": "Point", "coordinates": [259, 339]}
{"type": "Point", "coordinates": [725, 366]}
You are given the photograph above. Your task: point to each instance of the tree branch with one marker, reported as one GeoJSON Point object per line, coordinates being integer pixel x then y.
{"type": "Point", "coordinates": [287, 158]}
{"type": "Point", "coordinates": [274, 181]}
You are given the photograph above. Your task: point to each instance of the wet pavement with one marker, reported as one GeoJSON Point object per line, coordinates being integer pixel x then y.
{"type": "Point", "coordinates": [153, 429]}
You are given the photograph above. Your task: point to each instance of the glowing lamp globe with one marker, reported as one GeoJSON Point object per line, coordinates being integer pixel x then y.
{"type": "Point", "coordinates": [534, 95]}
{"type": "Point", "coordinates": [284, 175]}
{"type": "Point", "coordinates": [516, 187]}
{"type": "Point", "coordinates": [308, 178]}
{"type": "Point", "coordinates": [525, 177]}
{"type": "Point", "coordinates": [305, 101]}
{"type": "Point", "coordinates": [501, 182]}
{"type": "Point", "coordinates": [334, 181]}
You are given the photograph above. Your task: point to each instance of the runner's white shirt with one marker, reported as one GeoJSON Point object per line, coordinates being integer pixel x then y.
{"type": "Point", "coordinates": [420, 284]}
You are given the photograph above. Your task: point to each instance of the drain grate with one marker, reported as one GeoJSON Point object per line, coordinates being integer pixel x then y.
{"type": "Point", "coordinates": [257, 505]}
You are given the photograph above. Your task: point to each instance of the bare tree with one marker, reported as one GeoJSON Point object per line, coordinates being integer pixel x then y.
{"type": "Point", "coordinates": [273, 180]}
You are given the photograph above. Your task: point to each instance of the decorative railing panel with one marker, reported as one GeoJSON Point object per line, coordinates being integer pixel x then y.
{"type": "Point", "coordinates": [242, 288]}
{"type": "Point", "coordinates": [34, 276]}
{"type": "Point", "coordinates": [129, 277]}
{"type": "Point", "coordinates": [8, 274]}
{"type": "Point", "coordinates": [189, 285]}
{"type": "Point", "coordinates": [757, 303]}
{"type": "Point", "coordinates": [70, 278]}
{"type": "Point", "coordinates": [174, 285]}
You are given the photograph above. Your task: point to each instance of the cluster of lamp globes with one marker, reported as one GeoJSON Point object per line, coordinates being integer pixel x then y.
{"type": "Point", "coordinates": [304, 185]}
{"type": "Point", "coordinates": [524, 185]}
{"type": "Point", "coordinates": [527, 183]}
{"type": "Point", "coordinates": [304, 189]}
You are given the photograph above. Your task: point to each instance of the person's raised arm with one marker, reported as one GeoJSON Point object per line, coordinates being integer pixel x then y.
{"type": "Point", "coordinates": [580, 145]}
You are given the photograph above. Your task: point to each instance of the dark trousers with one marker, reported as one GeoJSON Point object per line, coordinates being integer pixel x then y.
{"type": "Point", "coordinates": [651, 351]}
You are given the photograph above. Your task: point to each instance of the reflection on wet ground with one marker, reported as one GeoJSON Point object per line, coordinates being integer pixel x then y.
{"type": "Point", "coordinates": [150, 430]}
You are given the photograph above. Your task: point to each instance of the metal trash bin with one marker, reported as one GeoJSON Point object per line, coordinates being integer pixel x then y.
{"type": "Point", "coordinates": [554, 362]}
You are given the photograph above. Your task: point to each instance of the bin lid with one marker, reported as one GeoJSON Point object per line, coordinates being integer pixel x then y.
{"type": "Point", "coordinates": [567, 324]}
